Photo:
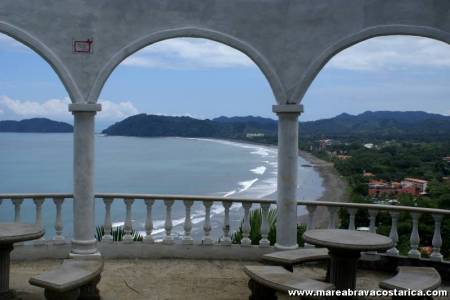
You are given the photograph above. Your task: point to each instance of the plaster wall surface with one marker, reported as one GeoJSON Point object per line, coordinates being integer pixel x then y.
{"type": "Point", "coordinates": [290, 41]}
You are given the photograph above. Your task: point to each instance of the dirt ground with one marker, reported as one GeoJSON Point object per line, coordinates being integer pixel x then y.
{"type": "Point", "coordinates": [170, 279]}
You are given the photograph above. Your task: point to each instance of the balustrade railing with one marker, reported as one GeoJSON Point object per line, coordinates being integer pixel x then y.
{"type": "Point", "coordinates": [188, 202]}
{"type": "Point", "coordinates": [17, 201]}
{"type": "Point", "coordinates": [128, 200]}
{"type": "Point", "coordinates": [394, 212]}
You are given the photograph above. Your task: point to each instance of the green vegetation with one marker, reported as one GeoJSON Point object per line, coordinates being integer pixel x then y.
{"type": "Point", "coordinates": [394, 161]}
{"type": "Point", "coordinates": [407, 144]}
{"type": "Point", "coordinates": [41, 125]}
{"type": "Point", "coordinates": [117, 234]}
{"type": "Point", "coordinates": [373, 126]}
{"type": "Point", "coordinates": [255, 229]}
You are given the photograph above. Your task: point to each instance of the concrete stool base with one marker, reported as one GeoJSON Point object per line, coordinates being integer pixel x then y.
{"type": "Point", "coordinates": [90, 290]}
{"type": "Point", "coordinates": [343, 266]}
{"type": "Point", "coordinates": [8, 295]}
{"type": "Point", "coordinates": [261, 292]}
{"type": "Point", "coordinates": [68, 295]}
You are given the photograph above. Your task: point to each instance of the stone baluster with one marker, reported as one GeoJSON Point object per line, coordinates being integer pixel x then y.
{"type": "Point", "coordinates": [245, 242]}
{"type": "Point", "coordinates": [414, 239]}
{"type": "Point", "coordinates": [264, 241]}
{"type": "Point", "coordinates": [311, 217]}
{"type": "Point", "coordinates": [332, 212]}
{"type": "Point", "coordinates": [393, 234]}
{"type": "Point", "coordinates": [372, 225]}
{"type": "Point", "coordinates": [311, 214]}
{"type": "Point", "coordinates": [351, 218]}
{"type": "Point", "coordinates": [149, 222]}
{"type": "Point", "coordinates": [17, 202]}
{"type": "Point", "coordinates": [107, 225]}
{"type": "Point", "coordinates": [207, 240]}
{"type": "Point", "coordinates": [226, 239]}
{"type": "Point", "coordinates": [128, 226]}
{"type": "Point", "coordinates": [372, 220]}
{"type": "Point", "coordinates": [58, 239]}
{"type": "Point", "coordinates": [437, 238]}
{"type": "Point", "coordinates": [187, 238]}
{"type": "Point", "coordinates": [38, 202]}
{"type": "Point", "coordinates": [168, 239]}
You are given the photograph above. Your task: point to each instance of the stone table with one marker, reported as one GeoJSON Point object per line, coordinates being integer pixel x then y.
{"type": "Point", "coordinates": [345, 248]}
{"type": "Point", "coordinates": [11, 233]}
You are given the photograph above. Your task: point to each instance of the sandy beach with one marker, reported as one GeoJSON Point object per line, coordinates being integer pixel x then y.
{"type": "Point", "coordinates": [336, 188]}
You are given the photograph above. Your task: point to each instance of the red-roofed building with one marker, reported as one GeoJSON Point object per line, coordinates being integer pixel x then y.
{"type": "Point", "coordinates": [418, 185]}
{"type": "Point", "coordinates": [412, 186]}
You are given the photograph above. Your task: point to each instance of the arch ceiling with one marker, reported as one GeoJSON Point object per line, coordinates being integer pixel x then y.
{"type": "Point", "coordinates": [290, 41]}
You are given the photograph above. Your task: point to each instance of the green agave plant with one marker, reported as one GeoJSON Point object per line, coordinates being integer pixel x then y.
{"type": "Point", "coordinates": [255, 228]}
{"type": "Point", "coordinates": [117, 234]}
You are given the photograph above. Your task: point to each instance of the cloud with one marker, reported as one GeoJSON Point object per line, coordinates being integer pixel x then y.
{"type": "Point", "coordinates": [176, 115]}
{"type": "Point", "coordinates": [53, 108]}
{"type": "Point", "coordinates": [117, 111]}
{"type": "Point", "coordinates": [393, 53]}
{"type": "Point", "coordinates": [58, 109]}
{"type": "Point", "coordinates": [380, 53]}
{"type": "Point", "coordinates": [189, 53]}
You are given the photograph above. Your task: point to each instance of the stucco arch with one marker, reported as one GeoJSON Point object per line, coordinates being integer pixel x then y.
{"type": "Point", "coordinates": [263, 64]}
{"type": "Point", "coordinates": [317, 65]}
{"type": "Point", "coordinates": [47, 54]}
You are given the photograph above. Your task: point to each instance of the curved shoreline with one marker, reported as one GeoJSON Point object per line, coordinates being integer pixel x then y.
{"type": "Point", "coordinates": [336, 188]}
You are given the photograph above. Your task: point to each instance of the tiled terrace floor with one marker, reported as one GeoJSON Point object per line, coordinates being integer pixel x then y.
{"type": "Point", "coordinates": [168, 279]}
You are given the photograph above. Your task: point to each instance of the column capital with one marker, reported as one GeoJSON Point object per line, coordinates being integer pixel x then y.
{"type": "Point", "coordinates": [85, 107]}
{"type": "Point", "coordinates": [287, 108]}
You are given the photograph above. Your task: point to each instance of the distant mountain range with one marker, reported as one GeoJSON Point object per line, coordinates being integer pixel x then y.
{"type": "Point", "coordinates": [411, 125]}
{"type": "Point", "coordinates": [386, 125]}
{"type": "Point", "coordinates": [368, 125]}
{"type": "Point", "coordinates": [39, 125]}
{"type": "Point", "coordinates": [144, 125]}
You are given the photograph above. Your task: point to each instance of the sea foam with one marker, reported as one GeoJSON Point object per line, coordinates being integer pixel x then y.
{"type": "Point", "coordinates": [259, 170]}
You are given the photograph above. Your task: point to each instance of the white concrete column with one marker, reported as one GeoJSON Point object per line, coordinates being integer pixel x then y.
{"type": "Point", "coordinates": [287, 175]}
{"type": "Point", "coordinates": [83, 242]}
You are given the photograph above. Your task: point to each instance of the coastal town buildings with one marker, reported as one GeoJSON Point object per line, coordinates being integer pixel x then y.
{"type": "Point", "coordinates": [368, 174]}
{"type": "Point", "coordinates": [323, 143]}
{"type": "Point", "coordinates": [412, 186]}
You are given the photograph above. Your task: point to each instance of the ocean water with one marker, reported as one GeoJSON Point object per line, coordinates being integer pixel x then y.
{"type": "Point", "coordinates": [33, 163]}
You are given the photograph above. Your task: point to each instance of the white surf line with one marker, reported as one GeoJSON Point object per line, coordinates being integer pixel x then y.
{"type": "Point", "coordinates": [259, 170]}
{"type": "Point", "coordinates": [246, 185]}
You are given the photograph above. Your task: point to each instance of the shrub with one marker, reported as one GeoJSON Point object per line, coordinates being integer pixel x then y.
{"type": "Point", "coordinates": [255, 228]}
{"type": "Point", "coordinates": [117, 234]}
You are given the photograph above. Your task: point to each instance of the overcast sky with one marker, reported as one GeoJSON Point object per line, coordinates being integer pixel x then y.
{"type": "Point", "coordinates": [206, 79]}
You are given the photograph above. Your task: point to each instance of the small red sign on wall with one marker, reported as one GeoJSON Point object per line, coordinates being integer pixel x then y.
{"type": "Point", "coordinates": [82, 46]}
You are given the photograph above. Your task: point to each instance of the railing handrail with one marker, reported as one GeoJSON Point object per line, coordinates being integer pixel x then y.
{"type": "Point", "coordinates": [184, 197]}
{"type": "Point", "coordinates": [35, 195]}
{"type": "Point", "coordinates": [380, 207]}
